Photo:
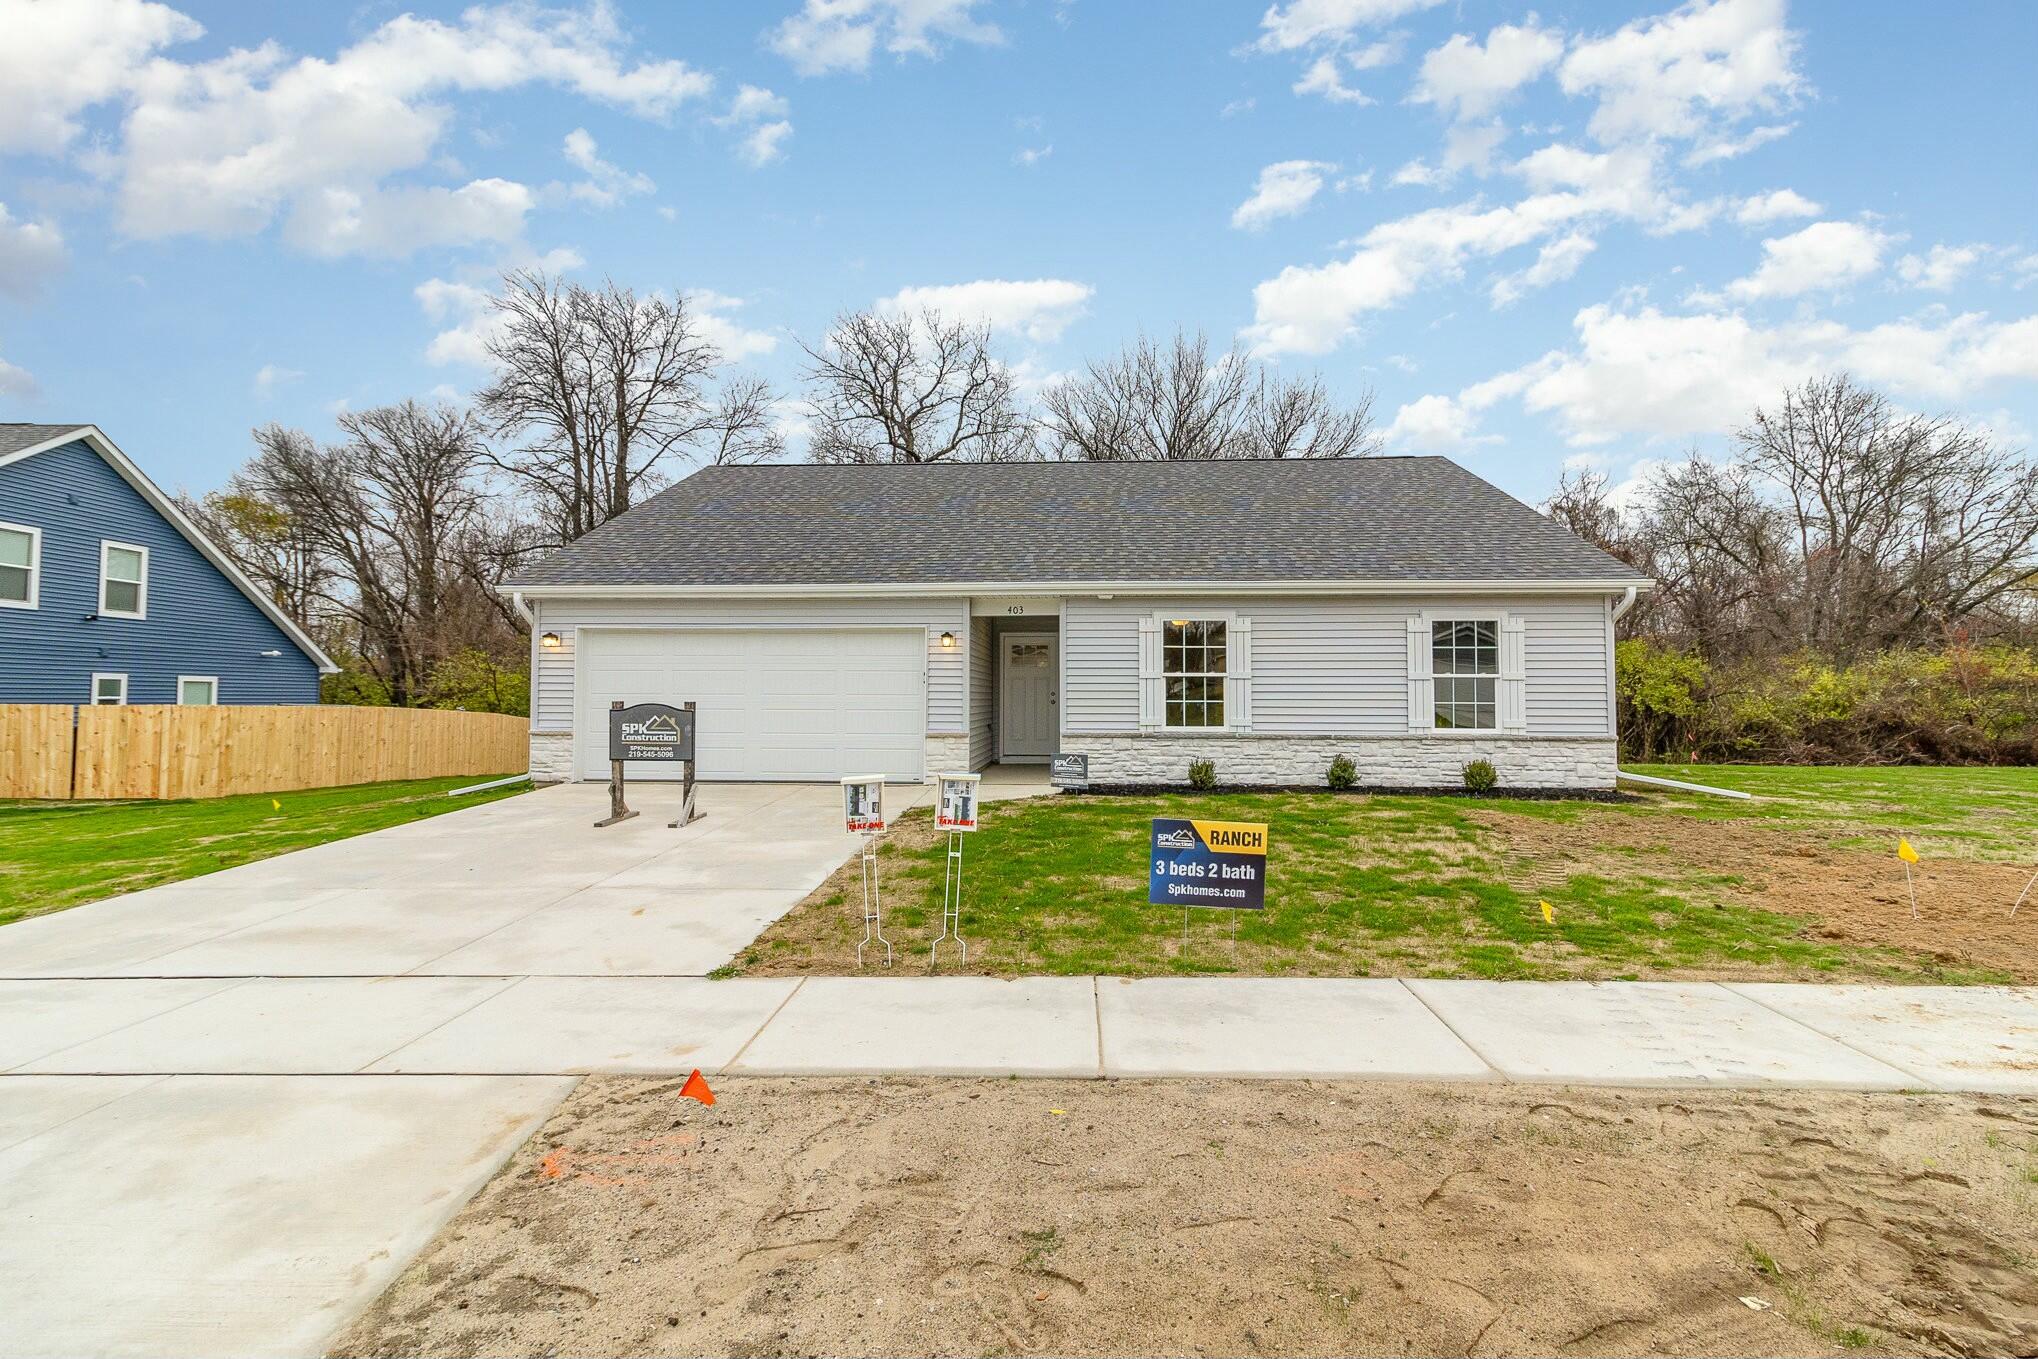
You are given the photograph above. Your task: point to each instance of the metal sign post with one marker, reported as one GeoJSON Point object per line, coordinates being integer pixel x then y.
{"type": "Point", "coordinates": [652, 733]}
{"type": "Point", "coordinates": [687, 814]}
{"type": "Point", "coordinates": [863, 812]}
{"type": "Point", "coordinates": [955, 811]}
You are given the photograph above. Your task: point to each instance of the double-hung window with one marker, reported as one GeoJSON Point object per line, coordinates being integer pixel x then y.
{"type": "Point", "coordinates": [197, 691]}
{"type": "Point", "coordinates": [20, 566]}
{"type": "Point", "coordinates": [108, 690]}
{"type": "Point", "coordinates": [1193, 667]}
{"type": "Point", "coordinates": [123, 580]}
{"type": "Point", "coordinates": [1465, 665]}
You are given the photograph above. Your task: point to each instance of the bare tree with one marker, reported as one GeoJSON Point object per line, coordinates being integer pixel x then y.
{"type": "Point", "coordinates": [268, 543]}
{"type": "Point", "coordinates": [1902, 524]}
{"type": "Point", "coordinates": [388, 510]}
{"type": "Point", "coordinates": [601, 386]}
{"type": "Point", "coordinates": [912, 389]}
{"type": "Point", "coordinates": [1174, 402]}
{"type": "Point", "coordinates": [746, 425]}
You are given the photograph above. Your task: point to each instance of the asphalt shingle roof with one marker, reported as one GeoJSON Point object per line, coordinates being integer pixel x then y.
{"type": "Point", "coordinates": [1368, 519]}
{"type": "Point", "coordinates": [15, 437]}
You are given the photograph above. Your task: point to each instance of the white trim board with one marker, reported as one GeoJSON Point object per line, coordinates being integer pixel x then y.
{"type": "Point", "coordinates": [1104, 588]}
{"type": "Point", "coordinates": [96, 439]}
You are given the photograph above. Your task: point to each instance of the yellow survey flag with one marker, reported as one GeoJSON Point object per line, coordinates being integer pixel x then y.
{"type": "Point", "coordinates": [275, 804]}
{"type": "Point", "coordinates": [1549, 916]}
{"type": "Point", "coordinates": [1904, 851]}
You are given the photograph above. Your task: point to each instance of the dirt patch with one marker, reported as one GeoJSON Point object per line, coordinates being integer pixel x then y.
{"type": "Point", "coordinates": [1963, 915]}
{"type": "Point", "coordinates": [1232, 1217]}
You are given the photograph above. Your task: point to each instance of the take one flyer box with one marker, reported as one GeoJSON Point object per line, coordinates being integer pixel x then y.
{"type": "Point", "coordinates": [863, 803]}
{"type": "Point", "coordinates": [1208, 863]}
{"type": "Point", "coordinates": [955, 808]}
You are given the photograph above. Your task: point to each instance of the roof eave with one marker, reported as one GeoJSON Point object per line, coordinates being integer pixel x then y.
{"type": "Point", "coordinates": [840, 589]}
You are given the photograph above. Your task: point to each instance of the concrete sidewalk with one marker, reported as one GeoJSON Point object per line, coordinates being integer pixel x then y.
{"type": "Point", "coordinates": [1619, 1033]}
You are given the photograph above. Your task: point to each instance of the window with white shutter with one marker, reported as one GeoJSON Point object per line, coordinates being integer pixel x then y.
{"type": "Point", "coordinates": [1149, 674]}
{"type": "Point", "coordinates": [1467, 672]}
{"type": "Point", "coordinates": [1421, 692]}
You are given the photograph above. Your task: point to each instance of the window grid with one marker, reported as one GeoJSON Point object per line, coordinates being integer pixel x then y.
{"type": "Point", "coordinates": [1465, 666]}
{"type": "Point", "coordinates": [1193, 663]}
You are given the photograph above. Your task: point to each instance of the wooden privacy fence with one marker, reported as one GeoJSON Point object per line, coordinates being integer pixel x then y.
{"type": "Point", "coordinates": [56, 750]}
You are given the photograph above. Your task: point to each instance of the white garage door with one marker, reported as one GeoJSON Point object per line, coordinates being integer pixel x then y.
{"type": "Point", "coordinates": [773, 703]}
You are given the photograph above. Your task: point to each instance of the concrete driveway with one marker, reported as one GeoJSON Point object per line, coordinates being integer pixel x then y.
{"type": "Point", "coordinates": [180, 1178]}
{"type": "Point", "coordinates": [522, 887]}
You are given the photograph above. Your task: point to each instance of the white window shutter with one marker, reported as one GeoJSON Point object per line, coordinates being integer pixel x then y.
{"type": "Point", "coordinates": [1421, 682]}
{"type": "Point", "coordinates": [1238, 676]}
{"type": "Point", "coordinates": [1514, 674]}
{"type": "Point", "coordinates": [1149, 674]}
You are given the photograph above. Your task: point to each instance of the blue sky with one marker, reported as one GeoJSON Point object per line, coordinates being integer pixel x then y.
{"type": "Point", "coordinates": [1583, 234]}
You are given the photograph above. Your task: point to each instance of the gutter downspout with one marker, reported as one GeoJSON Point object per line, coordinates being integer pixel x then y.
{"type": "Point", "coordinates": [1627, 601]}
{"type": "Point", "coordinates": [517, 603]}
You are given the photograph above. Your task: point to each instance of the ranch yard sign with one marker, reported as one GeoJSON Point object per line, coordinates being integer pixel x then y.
{"type": "Point", "coordinates": [651, 731]}
{"type": "Point", "coordinates": [1208, 863]}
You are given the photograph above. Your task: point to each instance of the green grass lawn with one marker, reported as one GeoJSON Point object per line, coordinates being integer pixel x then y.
{"type": "Point", "coordinates": [59, 854]}
{"type": "Point", "coordinates": [1434, 886]}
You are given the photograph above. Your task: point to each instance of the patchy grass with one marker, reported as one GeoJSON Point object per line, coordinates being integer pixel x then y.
{"type": "Point", "coordinates": [1386, 885]}
{"type": "Point", "coordinates": [55, 855]}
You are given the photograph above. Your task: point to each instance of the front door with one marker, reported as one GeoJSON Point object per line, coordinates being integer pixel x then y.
{"type": "Point", "coordinates": [1029, 681]}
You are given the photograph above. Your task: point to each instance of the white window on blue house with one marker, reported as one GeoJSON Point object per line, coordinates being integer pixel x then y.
{"type": "Point", "coordinates": [108, 690]}
{"type": "Point", "coordinates": [197, 691]}
{"type": "Point", "coordinates": [123, 580]}
{"type": "Point", "coordinates": [20, 566]}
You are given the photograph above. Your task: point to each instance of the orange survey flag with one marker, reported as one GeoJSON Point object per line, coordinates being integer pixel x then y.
{"type": "Point", "coordinates": [697, 1088]}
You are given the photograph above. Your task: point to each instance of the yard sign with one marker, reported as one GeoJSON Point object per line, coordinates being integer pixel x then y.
{"type": "Point", "coordinates": [1208, 863]}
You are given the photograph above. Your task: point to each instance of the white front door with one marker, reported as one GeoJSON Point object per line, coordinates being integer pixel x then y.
{"type": "Point", "coordinates": [1029, 699]}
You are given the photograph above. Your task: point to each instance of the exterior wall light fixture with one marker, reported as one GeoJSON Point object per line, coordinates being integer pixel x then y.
{"type": "Point", "coordinates": [550, 641]}
{"type": "Point", "coordinates": [948, 641]}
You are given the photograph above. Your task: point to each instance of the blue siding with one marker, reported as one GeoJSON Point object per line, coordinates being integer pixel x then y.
{"type": "Point", "coordinates": [198, 623]}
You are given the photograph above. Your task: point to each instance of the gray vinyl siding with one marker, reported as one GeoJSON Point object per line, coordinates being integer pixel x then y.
{"type": "Point", "coordinates": [1328, 665]}
{"type": "Point", "coordinates": [552, 698]}
{"type": "Point", "coordinates": [982, 691]}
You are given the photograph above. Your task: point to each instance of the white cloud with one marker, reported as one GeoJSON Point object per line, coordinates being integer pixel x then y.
{"type": "Point", "coordinates": [60, 59]}
{"type": "Point", "coordinates": [474, 321]}
{"type": "Point", "coordinates": [1726, 148]}
{"type": "Point", "coordinates": [1434, 424]}
{"type": "Point", "coordinates": [1030, 156]}
{"type": "Point", "coordinates": [1823, 255]}
{"type": "Point", "coordinates": [1937, 270]}
{"type": "Point", "coordinates": [1555, 262]}
{"type": "Point", "coordinates": [1687, 73]}
{"type": "Point", "coordinates": [271, 376]}
{"type": "Point", "coordinates": [224, 147]}
{"type": "Point", "coordinates": [764, 115]}
{"type": "Point", "coordinates": [1310, 309]}
{"type": "Point", "coordinates": [1238, 106]}
{"type": "Point", "coordinates": [1284, 189]}
{"type": "Point", "coordinates": [1662, 378]}
{"type": "Point", "coordinates": [1774, 206]}
{"type": "Point", "coordinates": [734, 340]}
{"type": "Point", "coordinates": [1311, 23]}
{"type": "Point", "coordinates": [378, 221]}
{"type": "Point", "coordinates": [17, 382]}
{"type": "Point", "coordinates": [1323, 77]}
{"type": "Point", "coordinates": [29, 253]}
{"type": "Point", "coordinates": [1039, 309]}
{"type": "Point", "coordinates": [1467, 146]}
{"type": "Point", "coordinates": [842, 35]}
{"type": "Point", "coordinates": [606, 184]}
{"type": "Point", "coordinates": [1467, 80]}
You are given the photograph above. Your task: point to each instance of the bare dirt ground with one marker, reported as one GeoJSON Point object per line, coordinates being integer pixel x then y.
{"type": "Point", "coordinates": [1129, 1218]}
{"type": "Point", "coordinates": [1963, 915]}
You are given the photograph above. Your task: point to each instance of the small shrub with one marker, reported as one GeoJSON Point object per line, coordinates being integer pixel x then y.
{"type": "Point", "coordinates": [1480, 776]}
{"type": "Point", "coordinates": [1342, 773]}
{"type": "Point", "coordinates": [1202, 775]}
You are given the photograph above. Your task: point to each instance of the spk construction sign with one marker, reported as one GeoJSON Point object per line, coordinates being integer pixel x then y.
{"type": "Point", "coordinates": [1209, 863]}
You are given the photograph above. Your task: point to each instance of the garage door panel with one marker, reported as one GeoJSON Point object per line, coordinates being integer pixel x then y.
{"type": "Point", "coordinates": [772, 703]}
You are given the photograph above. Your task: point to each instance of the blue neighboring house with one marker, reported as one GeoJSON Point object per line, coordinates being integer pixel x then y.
{"type": "Point", "coordinates": [109, 595]}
